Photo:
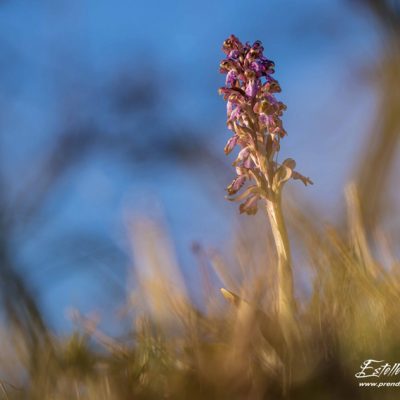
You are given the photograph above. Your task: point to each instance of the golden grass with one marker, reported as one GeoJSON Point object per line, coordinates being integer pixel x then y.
{"type": "Point", "coordinates": [232, 347]}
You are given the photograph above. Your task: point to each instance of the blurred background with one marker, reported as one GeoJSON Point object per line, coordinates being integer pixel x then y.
{"type": "Point", "coordinates": [109, 110]}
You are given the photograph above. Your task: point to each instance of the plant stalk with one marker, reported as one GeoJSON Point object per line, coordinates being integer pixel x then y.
{"type": "Point", "coordinates": [286, 305]}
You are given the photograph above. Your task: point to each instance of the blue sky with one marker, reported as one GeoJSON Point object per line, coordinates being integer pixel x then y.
{"type": "Point", "coordinates": [58, 58]}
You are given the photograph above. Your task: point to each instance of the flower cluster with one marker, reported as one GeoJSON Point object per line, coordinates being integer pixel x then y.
{"type": "Point", "coordinates": [254, 117]}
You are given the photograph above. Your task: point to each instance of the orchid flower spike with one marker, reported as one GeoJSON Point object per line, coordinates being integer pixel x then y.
{"type": "Point", "coordinates": [254, 116]}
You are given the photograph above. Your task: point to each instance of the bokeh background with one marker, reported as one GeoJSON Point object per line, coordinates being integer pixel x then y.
{"type": "Point", "coordinates": [110, 110]}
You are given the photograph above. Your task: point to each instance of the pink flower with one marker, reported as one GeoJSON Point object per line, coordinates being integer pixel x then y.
{"type": "Point", "coordinates": [250, 205]}
{"type": "Point", "coordinates": [254, 115]}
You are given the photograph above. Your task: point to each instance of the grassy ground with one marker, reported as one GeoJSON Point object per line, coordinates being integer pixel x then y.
{"type": "Point", "coordinates": [233, 347]}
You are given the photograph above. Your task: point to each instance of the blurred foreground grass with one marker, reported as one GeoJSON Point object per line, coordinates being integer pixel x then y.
{"type": "Point", "coordinates": [347, 313]}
